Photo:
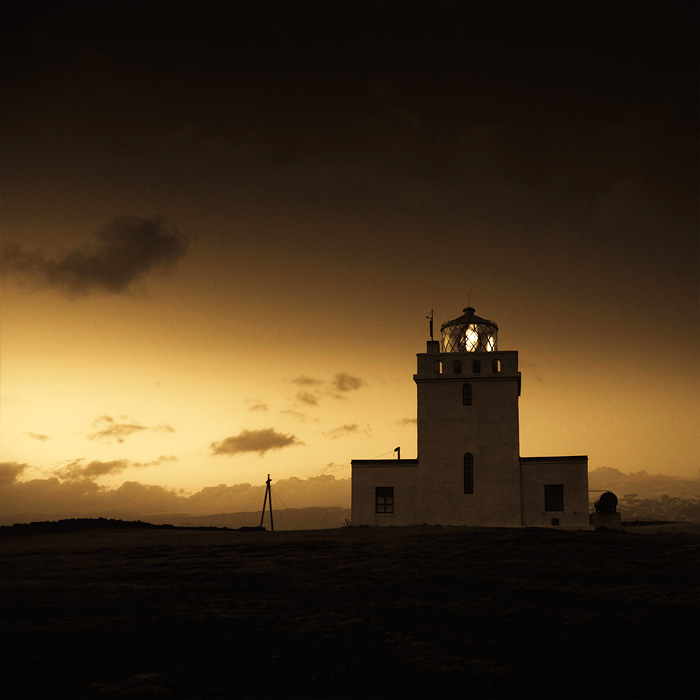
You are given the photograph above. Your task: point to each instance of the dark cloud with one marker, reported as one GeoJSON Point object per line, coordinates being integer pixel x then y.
{"type": "Point", "coordinates": [160, 460]}
{"type": "Point", "coordinates": [342, 383]}
{"type": "Point", "coordinates": [347, 382]}
{"type": "Point", "coordinates": [256, 406]}
{"type": "Point", "coordinates": [343, 430]}
{"type": "Point", "coordinates": [54, 498]}
{"type": "Point", "coordinates": [96, 468]}
{"type": "Point", "coordinates": [9, 471]}
{"type": "Point", "coordinates": [126, 250]}
{"type": "Point", "coordinates": [322, 490]}
{"type": "Point", "coordinates": [307, 381]}
{"type": "Point", "coordinates": [295, 414]}
{"type": "Point", "coordinates": [407, 421]}
{"type": "Point", "coordinates": [77, 469]}
{"type": "Point", "coordinates": [108, 429]}
{"type": "Point", "coordinates": [308, 398]}
{"type": "Point", "coordinates": [38, 436]}
{"type": "Point", "coordinates": [259, 441]}
{"type": "Point", "coordinates": [335, 467]}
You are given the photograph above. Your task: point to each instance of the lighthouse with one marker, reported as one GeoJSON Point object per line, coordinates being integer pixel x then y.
{"type": "Point", "coordinates": [468, 469]}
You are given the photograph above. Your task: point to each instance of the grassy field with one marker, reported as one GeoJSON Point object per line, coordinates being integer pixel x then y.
{"type": "Point", "coordinates": [351, 613]}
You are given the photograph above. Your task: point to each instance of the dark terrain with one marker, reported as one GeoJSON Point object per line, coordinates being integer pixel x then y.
{"type": "Point", "coordinates": [350, 613]}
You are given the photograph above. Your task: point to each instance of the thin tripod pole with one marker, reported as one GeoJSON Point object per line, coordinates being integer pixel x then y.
{"type": "Point", "coordinates": [268, 494]}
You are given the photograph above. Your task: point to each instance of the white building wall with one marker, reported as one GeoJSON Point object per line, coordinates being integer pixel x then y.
{"type": "Point", "coordinates": [508, 490]}
{"type": "Point", "coordinates": [367, 475]}
{"type": "Point", "coordinates": [571, 473]}
{"type": "Point", "coordinates": [488, 429]}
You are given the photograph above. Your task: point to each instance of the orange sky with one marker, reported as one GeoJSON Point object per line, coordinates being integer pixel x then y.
{"type": "Point", "coordinates": [229, 230]}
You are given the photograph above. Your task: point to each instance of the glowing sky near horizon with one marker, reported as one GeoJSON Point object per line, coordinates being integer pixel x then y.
{"type": "Point", "coordinates": [223, 234]}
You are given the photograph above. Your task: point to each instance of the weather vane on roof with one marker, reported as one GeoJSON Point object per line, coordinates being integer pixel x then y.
{"type": "Point", "coordinates": [430, 318]}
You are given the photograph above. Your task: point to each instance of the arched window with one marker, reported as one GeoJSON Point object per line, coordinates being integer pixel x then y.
{"type": "Point", "coordinates": [457, 367]}
{"type": "Point", "coordinates": [495, 365]}
{"type": "Point", "coordinates": [469, 473]}
{"type": "Point", "coordinates": [476, 366]}
{"type": "Point", "coordinates": [437, 367]}
{"type": "Point", "coordinates": [467, 395]}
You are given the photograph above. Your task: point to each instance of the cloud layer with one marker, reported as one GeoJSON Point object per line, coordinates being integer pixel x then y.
{"type": "Point", "coordinates": [50, 498]}
{"type": "Point", "coordinates": [76, 494]}
{"type": "Point", "coordinates": [315, 389]}
{"type": "Point", "coordinates": [108, 429]}
{"type": "Point", "coordinates": [308, 398]}
{"type": "Point", "coordinates": [643, 484]}
{"type": "Point", "coordinates": [260, 441]}
{"type": "Point", "coordinates": [307, 381]}
{"type": "Point", "coordinates": [126, 250]}
{"type": "Point", "coordinates": [344, 382]}
{"type": "Point", "coordinates": [77, 469]}
{"type": "Point", "coordinates": [343, 430]}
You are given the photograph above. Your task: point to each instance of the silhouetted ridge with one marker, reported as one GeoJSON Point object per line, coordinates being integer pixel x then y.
{"type": "Point", "coordinates": [72, 524]}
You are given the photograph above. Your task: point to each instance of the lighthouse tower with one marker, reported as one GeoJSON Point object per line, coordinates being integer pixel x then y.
{"type": "Point", "coordinates": [469, 470]}
{"type": "Point", "coordinates": [468, 430]}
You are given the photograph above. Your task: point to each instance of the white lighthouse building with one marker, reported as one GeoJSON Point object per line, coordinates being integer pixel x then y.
{"type": "Point", "coordinates": [469, 470]}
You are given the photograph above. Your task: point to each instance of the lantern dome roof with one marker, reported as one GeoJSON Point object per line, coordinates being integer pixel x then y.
{"type": "Point", "coordinates": [468, 318]}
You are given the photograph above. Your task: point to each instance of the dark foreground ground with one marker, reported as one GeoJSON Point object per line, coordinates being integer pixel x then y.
{"type": "Point", "coordinates": [350, 613]}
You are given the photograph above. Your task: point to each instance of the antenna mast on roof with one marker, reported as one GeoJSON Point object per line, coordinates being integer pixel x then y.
{"type": "Point", "coordinates": [430, 318]}
{"type": "Point", "coordinates": [268, 493]}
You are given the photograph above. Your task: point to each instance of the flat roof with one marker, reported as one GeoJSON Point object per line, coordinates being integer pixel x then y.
{"type": "Point", "coordinates": [566, 458]}
{"type": "Point", "coordinates": [384, 462]}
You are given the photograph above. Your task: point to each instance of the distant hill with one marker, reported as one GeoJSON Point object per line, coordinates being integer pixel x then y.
{"type": "Point", "coordinates": [319, 502]}
{"type": "Point", "coordinates": [645, 496]}
{"type": "Point", "coordinates": [289, 519]}
{"type": "Point", "coordinates": [669, 508]}
{"type": "Point", "coordinates": [74, 524]}
{"type": "Point", "coordinates": [644, 485]}
{"type": "Point", "coordinates": [631, 507]}
{"type": "Point", "coordinates": [641, 496]}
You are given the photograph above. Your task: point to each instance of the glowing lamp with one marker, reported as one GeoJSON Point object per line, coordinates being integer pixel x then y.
{"type": "Point", "coordinates": [469, 333]}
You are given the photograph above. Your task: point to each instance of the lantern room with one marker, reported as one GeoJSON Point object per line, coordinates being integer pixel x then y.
{"type": "Point", "coordinates": [469, 333]}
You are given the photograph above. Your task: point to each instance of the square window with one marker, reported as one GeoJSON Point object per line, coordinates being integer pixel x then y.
{"type": "Point", "coordinates": [384, 499]}
{"type": "Point", "coordinates": [554, 497]}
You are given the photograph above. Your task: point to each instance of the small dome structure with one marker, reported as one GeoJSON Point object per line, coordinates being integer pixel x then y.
{"type": "Point", "coordinates": [607, 503]}
{"type": "Point", "coordinates": [469, 333]}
